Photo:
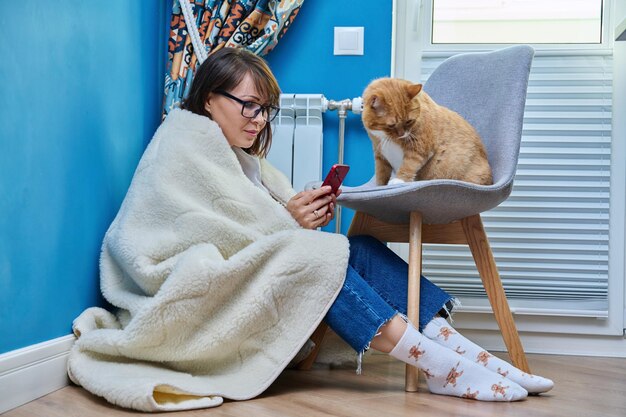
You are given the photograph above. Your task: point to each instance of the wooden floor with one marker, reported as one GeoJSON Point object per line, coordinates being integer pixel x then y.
{"type": "Point", "coordinates": [585, 387]}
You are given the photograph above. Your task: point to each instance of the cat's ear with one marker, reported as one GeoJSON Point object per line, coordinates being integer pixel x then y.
{"type": "Point", "coordinates": [413, 90]}
{"type": "Point", "coordinates": [375, 104]}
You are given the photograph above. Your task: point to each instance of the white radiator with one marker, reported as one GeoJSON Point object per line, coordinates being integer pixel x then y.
{"type": "Point", "coordinates": [297, 139]}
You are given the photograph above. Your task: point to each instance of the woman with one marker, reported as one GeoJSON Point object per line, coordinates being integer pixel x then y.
{"type": "Point", "coordinates": [221, 276]}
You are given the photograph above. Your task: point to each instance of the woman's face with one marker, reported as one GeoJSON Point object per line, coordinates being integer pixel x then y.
{"type": "Point", "coordinates": [226, 112]}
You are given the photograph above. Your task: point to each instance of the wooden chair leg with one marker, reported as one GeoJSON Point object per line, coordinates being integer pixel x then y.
{"type": "Point", "coordinates": [317, 337]}
{"type": "Point", "coordinates": [359, 224]}
{"type": "Point", "coordinates": [481, 251]}
{"type": "Point", "coordinates": [415, 271]}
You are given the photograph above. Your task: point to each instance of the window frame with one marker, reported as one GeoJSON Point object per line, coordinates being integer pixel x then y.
{"type": "Point", "coordinates": [411, 39]}
{"type": "Point", "coordinates": [423, 11]}
{"type": "Point", "coordinates": [427, 13]}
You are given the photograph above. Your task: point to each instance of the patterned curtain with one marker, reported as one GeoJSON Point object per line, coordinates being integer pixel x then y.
{"type": "Point", "coordinates": [253, 24]}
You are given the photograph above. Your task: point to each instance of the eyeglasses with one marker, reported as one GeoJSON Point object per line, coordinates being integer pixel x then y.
{"type": "Point", "coordinates": [250, 109]}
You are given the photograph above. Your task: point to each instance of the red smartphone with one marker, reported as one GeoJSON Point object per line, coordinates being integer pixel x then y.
{"type": "Point", "coordinates": [335, 176]}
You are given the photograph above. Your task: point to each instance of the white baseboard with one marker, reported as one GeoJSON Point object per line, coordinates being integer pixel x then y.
{"type": "Point", "coordinates": [554, 344]}
{"type": "Point", "coordinates": [34, 371]}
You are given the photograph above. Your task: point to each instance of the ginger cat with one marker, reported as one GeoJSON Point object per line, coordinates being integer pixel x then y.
{"type": "Point", "coordinates": [417, 139]}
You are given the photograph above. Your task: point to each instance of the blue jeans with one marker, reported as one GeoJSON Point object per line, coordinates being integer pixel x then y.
{"type": "Point", "coordinates": [374, 291]}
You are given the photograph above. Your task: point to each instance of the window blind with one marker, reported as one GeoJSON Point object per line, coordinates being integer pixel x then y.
{"type": "Point", "coordinates": [550, 238]}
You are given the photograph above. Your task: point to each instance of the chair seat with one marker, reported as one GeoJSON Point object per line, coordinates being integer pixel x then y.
{"type": "Point", "coordinates": [439, 201]}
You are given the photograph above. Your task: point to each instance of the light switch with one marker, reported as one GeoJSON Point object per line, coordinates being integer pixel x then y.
{"type": "Point", "coordinates": [349, 40]}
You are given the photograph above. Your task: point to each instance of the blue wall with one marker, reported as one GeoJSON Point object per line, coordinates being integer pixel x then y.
{"type": "Point", "coordinates": [303, 62]}
{"type": "Point", "coordinates": [80, 97]}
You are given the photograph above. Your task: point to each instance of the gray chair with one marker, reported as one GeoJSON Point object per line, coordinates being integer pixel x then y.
{"type": "Point", "coordinates": [489, 91]}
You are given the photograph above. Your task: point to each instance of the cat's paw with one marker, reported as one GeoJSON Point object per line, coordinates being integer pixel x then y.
{"type": "Point", "coordinates": [394, 181]}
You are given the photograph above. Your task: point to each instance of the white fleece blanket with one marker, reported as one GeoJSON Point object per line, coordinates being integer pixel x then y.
{"type": "Point", "coordinates": [217, 286]}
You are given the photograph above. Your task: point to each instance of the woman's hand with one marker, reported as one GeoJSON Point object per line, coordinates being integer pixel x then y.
{"type": "Point", "coordinates": [314, 208]}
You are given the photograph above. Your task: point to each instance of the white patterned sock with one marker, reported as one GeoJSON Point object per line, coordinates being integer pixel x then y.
{"type": "Point", "coordinates": [448, 373]}
{"type": "Point", "coordinates": [440, 331]}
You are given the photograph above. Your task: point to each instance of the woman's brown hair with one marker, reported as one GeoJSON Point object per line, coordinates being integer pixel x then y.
{"type": "Point", "coordinates": [224, 70]}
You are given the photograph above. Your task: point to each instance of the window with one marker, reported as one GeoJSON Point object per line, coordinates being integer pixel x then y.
{"type": "Point", "coordinates": [516, 21]}
{"type": "Point", "coordinates": [559, 238]}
